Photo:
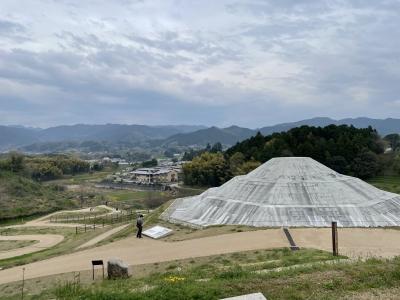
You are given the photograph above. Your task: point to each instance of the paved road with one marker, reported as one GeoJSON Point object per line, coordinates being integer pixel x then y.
{"type": "Point", "coordinates": [352, 242]}
{"type": "Point", "coordinates": [45, 241]}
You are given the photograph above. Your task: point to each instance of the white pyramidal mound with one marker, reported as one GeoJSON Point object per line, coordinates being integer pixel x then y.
{"type": "Point", "coordinates": [289, 191]}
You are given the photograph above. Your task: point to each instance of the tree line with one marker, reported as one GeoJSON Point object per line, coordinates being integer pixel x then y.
{"type": "Point", "coordinates": [43, 168]}
{"type": "Point", "coordinates": [345, 149]}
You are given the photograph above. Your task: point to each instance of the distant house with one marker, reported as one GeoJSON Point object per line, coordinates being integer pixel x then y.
{"type": "Point", "coordinates": [155, 175]}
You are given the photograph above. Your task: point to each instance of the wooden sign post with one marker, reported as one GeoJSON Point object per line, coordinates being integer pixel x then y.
{"type": "Point", "coordinates": [335, 243]}
{"type": "Point", "coordinates": [97, 263]}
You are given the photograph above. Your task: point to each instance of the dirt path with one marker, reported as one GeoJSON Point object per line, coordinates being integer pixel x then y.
{"type": "Point", "coordinates": [103, 236]}
{"type": "Point", "coordinates": [142, 251]}
{"type": "Point", "coordinates": [45, 220]}
{"type": "Point", "coordinates": [45, 241]}
{"type": "Point", "coordinates": [352, 242]}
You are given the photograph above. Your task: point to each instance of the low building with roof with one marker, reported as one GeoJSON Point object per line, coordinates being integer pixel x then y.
{"type": "Point", "coordinates": [155, 175]}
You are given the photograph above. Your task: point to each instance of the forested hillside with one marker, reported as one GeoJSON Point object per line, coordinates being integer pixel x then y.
{"type": "Point", "coordinates": [21, 190]}
{"type": "Point", "coordinates": [346, 149]}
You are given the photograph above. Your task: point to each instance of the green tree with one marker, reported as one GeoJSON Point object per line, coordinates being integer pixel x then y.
{"type": "Point", "coordinates": [338, 163]}
{"type": "Point", "coordinates": [235, 163]}
{"type": "Point", "coordinates": [208, 169]}
{"type": "Point", "coordinates": [16, 163]}
{"type": "Point", "coordinates": [150, 163]}
{"type": "Point", "coordinates": [365, 165]}
{"type": "Point", "coordinates": [217, 147]}
{"type": "Point", "coordinates": [249, 166]}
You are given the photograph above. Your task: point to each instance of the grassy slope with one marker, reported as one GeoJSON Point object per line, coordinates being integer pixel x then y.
{"type": "Point", "coordinates": [235, 274]}
{"type": "Point", "coordinates": [20, 196]}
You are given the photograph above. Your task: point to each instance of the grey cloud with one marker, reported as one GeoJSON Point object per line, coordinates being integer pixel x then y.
{"type": "Point", "coordinates": [253, 63]}
{"type": "Point", "coordinates": [13, 31]}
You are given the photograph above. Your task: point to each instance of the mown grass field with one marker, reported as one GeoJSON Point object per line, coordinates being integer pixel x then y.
{"type": "Point", "coordinates": [126, 195]}
{"type": "Point", "coordinates": [151, 199]}
{"type": "Point", "coordinates": [387, 183]}
{"type": "Point", "coordinates": [83, 178]}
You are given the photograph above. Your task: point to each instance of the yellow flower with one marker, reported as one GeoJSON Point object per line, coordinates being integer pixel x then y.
{"type": "Point", "coordinates": [174, 279]}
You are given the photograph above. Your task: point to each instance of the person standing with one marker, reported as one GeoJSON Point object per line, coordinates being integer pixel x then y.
{"type": "Point", "coordinates": [139, 225]}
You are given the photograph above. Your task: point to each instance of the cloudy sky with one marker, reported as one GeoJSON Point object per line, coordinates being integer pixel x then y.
{"type": "Point", "coordinates": [245, 62]}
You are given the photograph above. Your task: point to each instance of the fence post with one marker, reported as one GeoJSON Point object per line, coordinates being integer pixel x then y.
{"type": "Point", "coordinates": [76, 230]}
{"type": "Point", "coordinates": [335, 243]}
{"type": "Point", "coordinates": [23, 283]}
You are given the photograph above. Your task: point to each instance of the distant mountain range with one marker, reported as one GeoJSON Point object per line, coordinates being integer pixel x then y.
{"type": "Point", "coordinates": [234, 134]}
{"type": "Point", "coordinates": [383, 126]}
{"type": "Point", "coordinates": [13, 137]}
{"type": "Point", "coordinates": [56, 138]}
{"type": "Point", "coordinates": [226, 136]}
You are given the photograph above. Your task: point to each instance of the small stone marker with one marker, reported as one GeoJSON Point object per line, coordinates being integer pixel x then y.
{"type": "Point", "coordinates": [157, 232]}
{"type": "Point", "coordinates": [116, 269]}
{"type": "Point", "coordinates": [256, 296]}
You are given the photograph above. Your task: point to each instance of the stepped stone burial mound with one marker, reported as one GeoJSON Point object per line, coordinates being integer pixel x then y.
{"type": "Point", "coordinates": [289, 191]}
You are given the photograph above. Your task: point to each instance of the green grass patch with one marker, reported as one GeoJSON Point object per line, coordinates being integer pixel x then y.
{"type": "Point", "coordinates": [191, 275]}
{"type": "Point", "coordinates": [83, 178]}
{"type": "Point", "coordinates": [322, 282]}
{"type": "Point", "coordinates": [387, 183]}
{"type": "Point", "coordinates": [207, 280]}
{"type": "Point", "coordinates": [11, 245]}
